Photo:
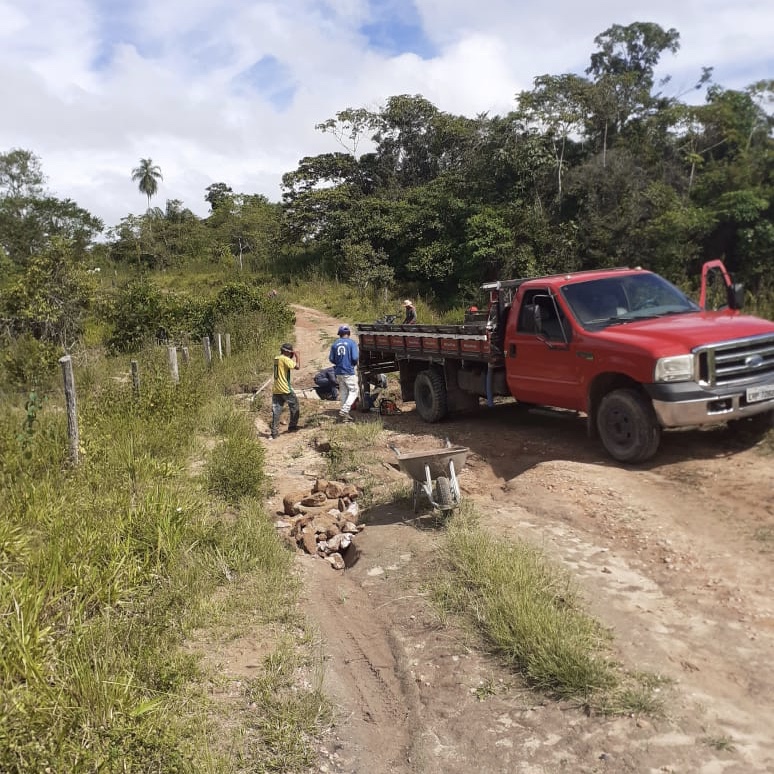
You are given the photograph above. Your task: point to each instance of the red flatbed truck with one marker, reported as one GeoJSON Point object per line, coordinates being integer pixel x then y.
{"type": "Point", "coordinates": [624, 346]}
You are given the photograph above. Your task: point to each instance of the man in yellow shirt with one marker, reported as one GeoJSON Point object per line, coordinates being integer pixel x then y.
{"type": "Point", "coordinates": [282, 392]}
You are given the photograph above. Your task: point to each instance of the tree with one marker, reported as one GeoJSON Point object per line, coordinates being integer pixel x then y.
{"type": "Point", "coordinates": [49, 301]}
{"type": "Point", "coordinates": [248, 226]}
{"type": "Point", "coordinates": [30, 219]}
{"type": "Point", "coordinates": [557, 104]}
{"type": "Point", "coordinates": [623, 70]}
{"type": "Point", "coordinates": [147, 176]}
{"type": "Point", "coordinates": [21, 174]}
{"type": "Point", "coordinates": [217, 194]}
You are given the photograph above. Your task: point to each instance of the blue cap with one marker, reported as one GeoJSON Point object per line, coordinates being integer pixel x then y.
{"type": "Point", "coordinates": [343, 329]}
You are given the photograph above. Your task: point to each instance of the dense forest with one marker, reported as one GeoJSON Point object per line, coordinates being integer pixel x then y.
{"type": "Point", "coordinates": [593, 170]}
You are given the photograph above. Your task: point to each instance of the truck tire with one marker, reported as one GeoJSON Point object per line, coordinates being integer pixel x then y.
{"type": "Point", "coordinates": [362, 401]}
{"type": "Point", "coordinates": [430, 396]}
{"type": "Point", "coordinates": [627, 426]}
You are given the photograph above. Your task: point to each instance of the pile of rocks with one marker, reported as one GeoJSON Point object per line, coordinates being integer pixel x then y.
{"type": "Point", "coordinates": [324, 521]}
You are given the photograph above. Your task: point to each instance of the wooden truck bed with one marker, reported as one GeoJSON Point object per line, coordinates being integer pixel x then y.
{"type": "Point", "coordinates": [466, 342]}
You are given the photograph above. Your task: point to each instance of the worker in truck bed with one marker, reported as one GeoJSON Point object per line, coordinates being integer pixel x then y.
{"type": "Point", "coordinates": [411, 313]}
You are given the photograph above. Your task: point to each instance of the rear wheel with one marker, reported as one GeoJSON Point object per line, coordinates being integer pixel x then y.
{"type": "Point", "coordinates": [430, 396]}
{"type": "Point", "coordinates": [628, 426]}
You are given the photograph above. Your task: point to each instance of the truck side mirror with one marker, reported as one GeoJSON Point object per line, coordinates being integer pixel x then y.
{"type": "Point", "coordinates": [736, 296]}
{"type": "Point", "coordinates": [531, 321]}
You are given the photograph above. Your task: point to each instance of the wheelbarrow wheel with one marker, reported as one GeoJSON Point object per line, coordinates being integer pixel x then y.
{"type": "Point", "coordinates": [417, 496]}
{"type": "Point", "coordinates": [443, 494]}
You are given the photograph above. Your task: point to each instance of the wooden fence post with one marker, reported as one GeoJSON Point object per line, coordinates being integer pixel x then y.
{"type": "Point", "coordinates": [72, 406]}
{"type": "Point", "coordinates": [135, 378]}
{"type": "Point", "coordinates": [227, 337]}
{"type": "Point", "coordinates": [219, 339]}
{"type": "Point", "coordinates": [207, 350]}
{"type": "Point", "coordinates": [172, 360]}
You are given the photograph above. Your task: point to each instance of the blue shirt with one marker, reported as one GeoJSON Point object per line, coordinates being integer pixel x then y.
{"type": "Point", "coordinates": [344, 356]}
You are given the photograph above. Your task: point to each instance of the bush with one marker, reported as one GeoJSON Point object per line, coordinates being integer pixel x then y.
{"type": "Point", "coordinates": [135, 316]}
{"type": "Point", "coordinates": [235, 468]}
{"type": "Point", "coordinates": [29, 363]}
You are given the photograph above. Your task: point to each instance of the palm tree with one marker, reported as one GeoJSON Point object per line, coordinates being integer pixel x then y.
{"type": "Point", "coordinates": [147, 176]}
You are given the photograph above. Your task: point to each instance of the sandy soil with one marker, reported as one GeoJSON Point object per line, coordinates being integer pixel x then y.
{"type": "Point", "coordinates": [674, 556]}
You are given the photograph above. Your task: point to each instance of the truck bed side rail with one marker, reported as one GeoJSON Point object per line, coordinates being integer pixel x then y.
{"type": "Point", "coordinates": [465, 341]}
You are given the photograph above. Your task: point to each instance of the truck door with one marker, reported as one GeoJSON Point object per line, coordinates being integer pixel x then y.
{"type": "Point", "coordinates": [542, 363]}
{"type": "Point", "coordinates": [732, 294]}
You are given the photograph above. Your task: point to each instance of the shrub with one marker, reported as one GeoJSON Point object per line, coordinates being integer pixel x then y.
{"type": "Point", "coordinates": [235, 468]}
{"type": "Point", "coordinates": [135, 316]}
{"type": "Point", "coordinates": [30, 363]}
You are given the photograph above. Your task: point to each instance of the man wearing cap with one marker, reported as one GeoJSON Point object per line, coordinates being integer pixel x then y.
{"type": "Point", "coordinates": [344, 356]}
{"type": "Point", "coordinates": [288, 360]}
{"type": "Point", "coordinates": [411, 313]}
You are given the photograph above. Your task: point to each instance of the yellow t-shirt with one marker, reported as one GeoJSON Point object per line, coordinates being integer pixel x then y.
{"type": "Point", "coordinates": [283, 365]}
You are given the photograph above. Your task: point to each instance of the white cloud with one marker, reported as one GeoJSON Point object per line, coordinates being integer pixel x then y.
{"type": "Point", "coordinates": [91, 86]}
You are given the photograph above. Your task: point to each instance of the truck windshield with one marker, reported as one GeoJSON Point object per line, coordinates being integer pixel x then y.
{"type": "Point", "coordinates": [625, 298]}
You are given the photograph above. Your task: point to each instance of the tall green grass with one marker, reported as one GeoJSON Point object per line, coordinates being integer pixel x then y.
{"type": "Point", "coordinates": [528, 611]}
{"type": "Point", "coordinates": [526, 608]}
{"type": "Point", "coordinates": [105, 567]}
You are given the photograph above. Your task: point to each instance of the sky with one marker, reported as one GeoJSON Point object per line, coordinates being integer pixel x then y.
{"type": "Point", "coordinates": [231, 91]}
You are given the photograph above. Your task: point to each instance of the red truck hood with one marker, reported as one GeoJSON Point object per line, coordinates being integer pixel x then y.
{"type": "Point", "coordinates": [678, 334]}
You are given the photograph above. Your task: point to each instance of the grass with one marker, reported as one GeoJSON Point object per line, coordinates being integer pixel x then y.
{"type": "Point", "coordinates": [720, 743]}
{"type": "Point", "coordinates": [109, 567]}
{"type": "Point", "coordinates": [765, 536]}
{"type": "Point", "coordinates": [350, 443]}
{"type": "Point", "coordinates": [353, 304]}
{"type": "Point", "coordinates": [279, 735]}
{"type": "Point", "coordinates": [528, 612]}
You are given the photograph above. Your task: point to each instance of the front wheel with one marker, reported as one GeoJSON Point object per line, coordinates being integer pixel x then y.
{"type": "Point", "coordinates": [443, 493]}
{"type": "Point", "coordinates": [628, 426]}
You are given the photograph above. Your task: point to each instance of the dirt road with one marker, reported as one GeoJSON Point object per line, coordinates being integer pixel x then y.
{"type": "Point", "coordinates": [674, 556]}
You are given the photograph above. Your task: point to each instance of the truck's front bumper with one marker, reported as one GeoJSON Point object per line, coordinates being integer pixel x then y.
{"type": "Point", "coordinates": [686, 404]}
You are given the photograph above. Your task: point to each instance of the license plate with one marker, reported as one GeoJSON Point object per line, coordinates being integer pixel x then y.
{"type": "Point", "coordinates": [755, 394]}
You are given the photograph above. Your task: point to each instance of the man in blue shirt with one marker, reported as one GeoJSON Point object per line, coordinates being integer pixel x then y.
{"type": "Point", "coordinates": [344, 356]}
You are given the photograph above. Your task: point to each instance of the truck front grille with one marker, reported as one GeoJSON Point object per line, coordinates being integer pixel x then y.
{"type": "Point", "coordinates": [736, 363]}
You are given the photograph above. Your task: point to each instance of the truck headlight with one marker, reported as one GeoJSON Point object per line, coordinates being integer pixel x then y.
{"type": "Point", "coordinates": [674, 369]}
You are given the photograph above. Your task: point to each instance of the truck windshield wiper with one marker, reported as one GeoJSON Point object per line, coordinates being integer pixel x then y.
{"type": "Point", "coordinates": [673, 311]}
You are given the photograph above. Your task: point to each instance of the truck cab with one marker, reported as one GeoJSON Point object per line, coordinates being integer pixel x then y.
{"type": "Point", "coordinates": [632, 351]}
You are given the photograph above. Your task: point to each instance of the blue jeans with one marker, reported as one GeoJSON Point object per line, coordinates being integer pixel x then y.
{"type": "Point", "coordinates": [277, 403]}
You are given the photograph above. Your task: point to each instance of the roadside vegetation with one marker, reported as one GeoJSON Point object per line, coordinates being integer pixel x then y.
{"type": "Point", "coordinates": [528, 611]}
{"type": "Point", "coordinates": [109, 566]}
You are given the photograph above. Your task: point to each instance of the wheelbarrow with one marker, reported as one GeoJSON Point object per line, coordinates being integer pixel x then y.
{"type": "Point", "coordinates": [434, 475]}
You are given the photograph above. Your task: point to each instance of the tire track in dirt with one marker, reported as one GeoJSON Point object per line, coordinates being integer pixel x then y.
{"type": "Point", "coordinates": [365, 674]}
